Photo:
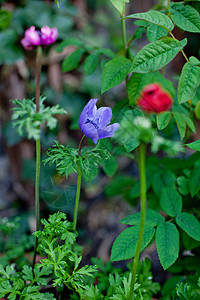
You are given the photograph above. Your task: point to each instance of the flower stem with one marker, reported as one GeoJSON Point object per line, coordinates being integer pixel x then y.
{"type": "Point", "coordinates": [38, 74]}
{"type": "Point", "coordinates": [38, 150]}
{"type": "Point", "coordinates": [142, 154]}
{"type": "Point", "coordinates": [78, 189]}
{"type": "Point", "coordinates": [80, 145]}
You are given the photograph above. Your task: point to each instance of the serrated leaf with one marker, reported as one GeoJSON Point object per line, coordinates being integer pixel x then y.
{"type": "Point", "coordinates": [189, 123]}
{"type": "Point", "coordinates": [138, 80]}
{"type": "Point", "coordinates": [153, 218]}
{"type": "Point", "coordinates": [163, 119]}
{"type": "Point", "coordinates": [154, 17]}
{"type": "Point", "coordinates": [91, 63]}
{"type": "Point", "coordinates": [124, 246]}
{"type": "Point", "coordinates": [69, 42]}
{"type": "Point", "coordinates": [155, 32]}
{"type": "Point", "coordinates": [189, 80]}
{"type": "Point", "coordinates": [185, 17]}
{"type": "Point", "coordinates": [114, 72]}
{"type": "Point", "coordinates": [194, 145]}
{"type": "Point", "coordinates": [170, 201]}
{"type": "Point", "coordinates": [156, 55]}
{"type": "Point", "coordinates": [189, 224]}
{"type": "Point", "coordinates": [72, 61]}
{"type": "Point", "coordinates": [167, 242]}
{"type": "Point", "coordinates": [181, 124]}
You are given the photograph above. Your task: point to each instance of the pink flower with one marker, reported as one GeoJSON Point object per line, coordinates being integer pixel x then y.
{"type": "Point", "coordinates": [48, 35]}
{"type": "Point", "coordinates": [154, 99]}
{"type": "Point", "coordinates": [44, 37]}
{"type": "Point", "coordinates": [31, 38]}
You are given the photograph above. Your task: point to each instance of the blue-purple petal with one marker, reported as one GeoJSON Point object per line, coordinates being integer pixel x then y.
{"type": "Point", "coordinates": [90, 131]}
{"type": "Point", "coordinates": [103, 117]}
{"type": "Point", "coordinates": [88, 112]}
{"type": "Point", "coordinates": [109, 131]}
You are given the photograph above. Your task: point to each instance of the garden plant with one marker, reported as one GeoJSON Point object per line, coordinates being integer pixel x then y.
{"type": "Point", "coordinates": [153, 125]}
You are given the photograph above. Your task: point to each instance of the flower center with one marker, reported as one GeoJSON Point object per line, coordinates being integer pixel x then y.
{"type": "Point", "coordinates": [90, 121]}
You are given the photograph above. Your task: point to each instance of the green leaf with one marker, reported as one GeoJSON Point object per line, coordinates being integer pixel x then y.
{"type": "Point", "coordinates": [135, 84]}
{"type": "Point", "coordinates": [183, 185]}
{"type": "Point", "coordinates": [163, 119]}
{"type": "Point", "coordinates": [194, 145]}
{"type": "Point", "coordinates": [189, 224]}
{"type": "Point", "coordinates": [124, 246]}
{"type": "Point", "coordinates": [118, 185]}
{"type": "Point", "coordinates": [110, 166]}
{"type": "Point", "coordinates": [185, 17]}
{"type": "Point", "coordinates": [170, 201]}
{"type": "Point", "coordinates": [91, 63]}
{"type": "Point", "coordinates": [5, 17]}
{"type": "Point", "coordinates": [69, 42]}
{"type": "Point", "coordinates": [194, 182]}
{"type": "Point", "coordinates": [161, 179]}
{"type": "Point", "coordinates": [181, 124]}
{"type": "Point", "coordinates": [155, 32]}
{"type": "Point", "coordinates": [197, 110]}
{"type": "Point", "coordinates": [119, 5]}
{"type": "Point", "coordinates": [125, 134]}
{"type": "Point", "coordinates": [167, 242]}
{"type": "Point", "coordinates": [57, 2]}
{"type": "Point", "coordinates": [154, 17]}
{"type": "Point", "coordinates": [153, 218]}
{"type": "Point", "coordinates": [26, 117]}
{"type": "Point", "coordinates": [114, 72]}
{"type": "Point", "coordinates": [156, 55]}
{"type": "Point", "coordinates": [189, 123]}
{"type": "Point", "coordinates": [107, 52]}
{"type": "Point", "coordinates": [189, 80]}
{"type": "Point", "coordinates": [72, 61]}
{"type": "Point", "coordinates": [137, 81]}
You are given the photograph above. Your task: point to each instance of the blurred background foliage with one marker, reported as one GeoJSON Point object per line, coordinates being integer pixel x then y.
{"type": "Point", "coordinates": [91, 30]}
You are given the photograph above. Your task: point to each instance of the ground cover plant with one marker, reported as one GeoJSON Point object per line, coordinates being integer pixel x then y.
{"type": "Point", "coordinates": [153, 124]}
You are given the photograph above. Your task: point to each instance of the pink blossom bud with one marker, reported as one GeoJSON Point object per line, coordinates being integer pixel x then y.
{"type": "Point", "coordinates": [44, 37]}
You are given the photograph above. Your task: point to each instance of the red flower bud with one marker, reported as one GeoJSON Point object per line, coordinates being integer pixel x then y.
{"type": "Point", "coordinates": [154, 99]}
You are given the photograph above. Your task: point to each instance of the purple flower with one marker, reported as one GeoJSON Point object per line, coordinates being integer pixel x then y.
{"type": "Point", "coordinates": [44, 37]}
{"type": "Point", "coordinates": [93, 122]}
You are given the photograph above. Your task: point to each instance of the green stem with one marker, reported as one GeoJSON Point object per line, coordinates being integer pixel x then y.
{"type": "Point", "coordinates": [123, 29]}
{"type": "Point", "coordinates": [78, 189]}
{"type": "Point", "coordinates": [168, 4]}
{"type": "Point", "coordinates": [142, 154]}
{"type": "Point", "coordinates": [37, 179]}
{"type": "Point", "coordinates": [38, 150]}
{"type": "Point", "coordinates": [124, 39]}
{"type": "Point", "coordinates": [38, 74]}
{"type": "Point", "coordinates": [80, 145]}
{"type": "Point", "coordinates": [182, 51]}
